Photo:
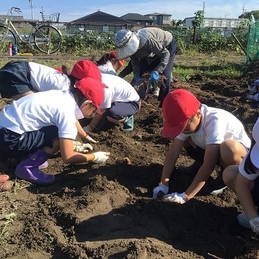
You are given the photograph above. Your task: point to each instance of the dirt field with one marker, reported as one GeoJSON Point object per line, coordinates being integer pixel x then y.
{"type": "Point", "coordinates": [106, 211]}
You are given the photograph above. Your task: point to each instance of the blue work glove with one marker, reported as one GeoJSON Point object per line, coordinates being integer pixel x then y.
{"type": "Point", "coordinates": [154, 76]}
{"type": "Point", "coordinates": [160, 189]}
{"type": "Point", "coordinates": [176, 197]}
{"type": "Point", "coordinates": [137, 80]}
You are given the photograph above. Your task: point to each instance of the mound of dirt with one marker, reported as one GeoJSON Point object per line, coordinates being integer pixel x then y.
{"type": "Point", "coordinates": [106, 211]}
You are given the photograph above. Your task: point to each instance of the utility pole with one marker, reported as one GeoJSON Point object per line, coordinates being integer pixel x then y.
{"type": "Point", "coordinates": [32, 12]}
{"type": "Point", "coordinates": [203, 9]}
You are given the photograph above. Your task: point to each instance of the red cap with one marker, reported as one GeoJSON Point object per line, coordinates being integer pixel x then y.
{"type": "Point", "coordinates": [86, 68]}
{"type": "Point", "coordinates": [121, 61]}
{"type": "Point", "coordinates": [92, 89]}
{"type": "Point", "coordinates": [59, 69]}
{"type": "Point", "coordinates": [178, 107]}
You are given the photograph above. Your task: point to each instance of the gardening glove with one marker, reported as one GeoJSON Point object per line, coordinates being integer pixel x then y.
{"type": "Point", "coordinates": [176, 197]}
{"type": "Point", "coordinates": [254, 223]}
{"type": "Point", "coordinates": [87, 138]}
{"type": "Point", "coordinates": [87, 129]}
{"type": "Point", "coordinates": [160, 191]}
{"type": "Point", "coordinates": [100, 157]}
{"type": "Point", "coordinates": [82, 147]}
{"type": "Point", "coordinates": [137, 80]}
{"type": "Point", "coordinates": [154, 77]}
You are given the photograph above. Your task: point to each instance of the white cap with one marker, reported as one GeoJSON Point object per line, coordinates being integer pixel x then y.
{"type": "Point", "coordinates": [126, 43]}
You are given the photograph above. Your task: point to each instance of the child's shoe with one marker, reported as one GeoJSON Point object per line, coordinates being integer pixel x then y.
{"type": "Point", "coordinates": [156, 91]}
{"type": "Point", "coordinates": [253, 97]}
{"type": "Point", "coordinates": [243, 220]}
{"type": "Point", "coordinates": [128, 124]}
{"type": "Point", "coordinates": [28, 169]}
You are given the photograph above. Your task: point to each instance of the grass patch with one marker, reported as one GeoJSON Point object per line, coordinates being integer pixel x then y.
{"type": "Point", "coordinates": [209, 67]}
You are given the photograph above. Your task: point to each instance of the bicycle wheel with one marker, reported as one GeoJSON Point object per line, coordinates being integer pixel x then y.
{"type": "Point", "coordinates": [47, 39]}
{"type": "Point", "coordinates": [6, 36]}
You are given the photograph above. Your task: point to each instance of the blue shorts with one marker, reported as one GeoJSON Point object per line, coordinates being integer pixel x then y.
{"type": "Point", "coordinates": [14, 145]}
{"type": "Point", "coordinates": [15, 78]}
{"type": "Point", "coordinates": [120, 110]}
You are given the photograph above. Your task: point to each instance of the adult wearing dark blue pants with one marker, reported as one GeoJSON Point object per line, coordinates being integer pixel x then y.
{"type": "Point", "coordinates": [150, 50]}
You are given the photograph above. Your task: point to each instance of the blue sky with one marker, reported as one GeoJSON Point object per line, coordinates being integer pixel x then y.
{"type": "Point", "coordinates": [73, 9]}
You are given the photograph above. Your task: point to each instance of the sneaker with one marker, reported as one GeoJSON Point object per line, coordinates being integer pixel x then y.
{"type": "Point", "coordinates": [252, 89]}
{"type": "Point", "coordinates": [253, 97]}
{"type": "Point", "coordinates": [156, 91]}
{"type": "Point", "coordinates": [243, 220]}
{"type": "Point", "coordinates": [215, 187]}
{"type": "Point", "coordinates": [128, 124]}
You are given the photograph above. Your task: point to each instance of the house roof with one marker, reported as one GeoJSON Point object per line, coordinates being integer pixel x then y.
{"type": "Point", "coordinates": [136, 17]}
{"type": "Point", "coordinates": [100, 17]}
{"type": "Point", "coordinates": [157, 14]}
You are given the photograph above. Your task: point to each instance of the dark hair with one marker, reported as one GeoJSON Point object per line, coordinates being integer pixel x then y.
{"type": "Point", "coordinates": [72, 80]}
{"type": "Point", "coordinates": [79, 97]}
{"type": "Point", "coordinates": [103, 60]}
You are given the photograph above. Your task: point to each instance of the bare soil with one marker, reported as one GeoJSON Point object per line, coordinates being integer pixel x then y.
{"type": "Point", "coordinates": [106, 211]}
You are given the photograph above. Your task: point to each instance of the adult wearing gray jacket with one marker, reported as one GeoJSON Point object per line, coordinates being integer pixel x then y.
{"type": "Point", "coordinates": [150, 50]}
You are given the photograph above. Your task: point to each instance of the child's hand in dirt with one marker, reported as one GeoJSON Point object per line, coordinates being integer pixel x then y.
{"type": "Point", "coordinates": [176, 197]}
{"type": "Point", "coordinates": [100, 157]}
{"type": "Point", "coordinates": [82, 147]}
{"type": "Point", "coordinates": [158, 190]}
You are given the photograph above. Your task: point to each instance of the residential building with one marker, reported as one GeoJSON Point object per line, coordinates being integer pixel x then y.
{"type": "Point", "coordinates": [98, 21]}
{"type": "Point", "coordinates": [225, 25]}
{"type": "Point", "coordinates": [160, 19]}
{"type": "Point", "coordinates": [216, 23]}
{"type": "Point", "coordinates": [138, 20]}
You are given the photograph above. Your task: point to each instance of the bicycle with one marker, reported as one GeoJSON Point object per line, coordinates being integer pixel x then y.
{"type": "Point", "coordinates": [46, 37]}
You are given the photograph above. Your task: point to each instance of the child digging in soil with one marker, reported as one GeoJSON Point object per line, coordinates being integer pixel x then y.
{"type": "Point", "coordinates": [244, 179]}
{"type": "Point", "coordinates": [209, 135]}
{"type": "Point", "coordinates": [38, 125]}
{"type": "Point", "coordinates": [120, 103]}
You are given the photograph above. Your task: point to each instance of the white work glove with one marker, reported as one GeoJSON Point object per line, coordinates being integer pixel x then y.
{"type": "Point", "coordinates": [160, 190]}
{"type": "Point", "coordinates": [176, 197]}
{"type": "Point", "coordinates": [87, 129]}
{"type": "Point", "coordinates": [87, 138]}
{"type": "Point", "coordinates": [82, 147]}
{"type": "Point", "coordinates": [100, 157]}
{"type": "Point", "coordinates": [254, 224]}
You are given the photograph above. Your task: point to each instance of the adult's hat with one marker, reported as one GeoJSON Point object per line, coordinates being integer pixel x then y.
{"type": "Point", "coordinates": [86, 68]}
{"type": "Point", "coordinates": [114, 55]}
{"type": "Point", "coordinates": [142, 35]}
{"type": "Point", "coordinates": [178, 107]}
{"type": "Point", "coordinates": [92, 89]}
{"type": "Point", "coordinates": [126, 43]}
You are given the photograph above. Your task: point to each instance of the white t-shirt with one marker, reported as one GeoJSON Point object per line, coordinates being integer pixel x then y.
{"type": "Point", "coordinates": [45, 78]}
{"type": "Point", "coordinates": [34, 111]}
{"type": "Point", "coordinates": [118, 90]}
{"type": "Point", "coordinates": [216, 126]}
{"type": "Point", "coordinates": [107, 68]}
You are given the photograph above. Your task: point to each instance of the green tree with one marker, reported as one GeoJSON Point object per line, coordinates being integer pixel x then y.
{"type": "Point", "coordinates": [176, 23]}
{"type": "Point", "coordinates": [196, 23]}
{"type": "Point", "coordinates": [255, 13]}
